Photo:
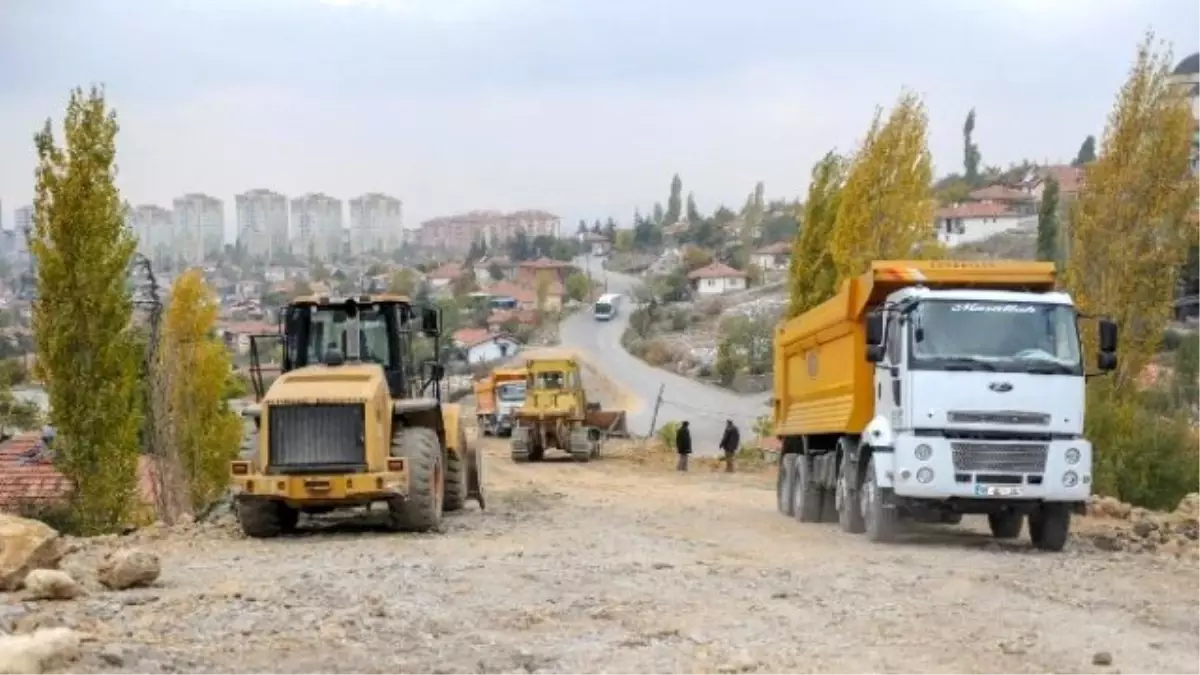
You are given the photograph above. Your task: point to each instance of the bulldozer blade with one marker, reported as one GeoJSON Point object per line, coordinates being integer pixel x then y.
{"type": "Point", "coordinates": [609, 422]}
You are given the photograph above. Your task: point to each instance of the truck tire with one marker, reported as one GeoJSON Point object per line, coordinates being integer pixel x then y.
{"type": "Point", "coordinates": [806, 497]}
{"type": "Point", "coordinates": [1006, 525]}
{"type": "Point", "coordinates": [456, 475]}
{"type": "Point", "coordinates": [783, 484]}
{"type": "Point", "coordinates": [484, 428]}
{"type": "Point", "coordinates": [264, 518]}
{"type": "Point", "coordinates": [1049, 526]}
{"type": "Point", "coordinates": [421, 510]}
{"type": "Point", "coordinates": [849, 507]}
{"type": "Point", "coordinates": [879, 517]}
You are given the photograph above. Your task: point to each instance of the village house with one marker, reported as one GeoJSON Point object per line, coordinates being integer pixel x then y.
{"type": "Point", "coordinates": [509, 295]}
{"type": "Point", "coordinates": [975, 221]}
{"type": "Point", "coordinates": [717, 278]}
{"type": "Point", "coordinates": [236, 335]}
{"type": "Point", "coordinates": [483, 269]}
{"type": "Point", "coordinates": [482, 345]}
{"type": "Point", "coordinates": [773, 257]}
{"type": "Point", "coordinates": [444, 276]}
{"type": "Point", "coordinates": [530, 271]}
{"type": "Point", "coordinates": [596, 244]}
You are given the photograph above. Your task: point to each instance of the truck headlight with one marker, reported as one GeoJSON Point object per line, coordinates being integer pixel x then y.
{"type": "Point", "coordinates": [1072, 455]}
{"type": "Point", "coordinates": [925, 475]}
{"type": "Point", "coordinates": [923, 452]}
{"type": "Point", "coordinates": [1070, 479]}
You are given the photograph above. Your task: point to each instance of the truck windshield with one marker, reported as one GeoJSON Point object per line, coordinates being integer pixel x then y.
{"type": "Point", "coordinates": [511, 391]}
{"type": "Point", "coordinates": [1000, 336]}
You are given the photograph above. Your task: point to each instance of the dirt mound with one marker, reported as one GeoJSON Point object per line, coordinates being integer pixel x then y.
{"type": "Point", "coordinates": [1123, 527]}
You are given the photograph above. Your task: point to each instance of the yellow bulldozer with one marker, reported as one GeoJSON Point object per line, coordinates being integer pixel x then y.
{"type": "Point", "coordinates": [354, 420]}
{"type": "Point", "coordinates": [557, 414]}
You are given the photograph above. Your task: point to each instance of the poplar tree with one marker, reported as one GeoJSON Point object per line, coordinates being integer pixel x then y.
{"type": "Point", "coordinates": [86, 353]}
{"type": "Point", "coordinates": [812, 275]}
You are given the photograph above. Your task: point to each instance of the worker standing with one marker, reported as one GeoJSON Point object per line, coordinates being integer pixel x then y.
{"type": "Point", "coordinates": [683, 445]}
{"type": "Point", "coordinates": [729, 443]}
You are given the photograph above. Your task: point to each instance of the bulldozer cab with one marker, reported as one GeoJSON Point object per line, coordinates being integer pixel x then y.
{"type": "Point", "coordinates": [553, 387]}
{"type": "Point", "coordinates": [384, 329]}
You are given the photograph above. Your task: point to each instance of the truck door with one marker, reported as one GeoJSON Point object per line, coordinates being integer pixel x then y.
{"type": "Point", "coordinates": [889, 389]}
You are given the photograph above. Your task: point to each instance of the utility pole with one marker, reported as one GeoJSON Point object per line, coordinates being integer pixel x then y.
{"type": "Point", "coordinates": [657, 405]}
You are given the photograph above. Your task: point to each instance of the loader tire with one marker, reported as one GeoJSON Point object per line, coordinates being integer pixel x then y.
{"type": "Point", "coordinates": [263, 518]}
{"type": "Point", "coordinates": [421, 510]}
{"type": "Point", "coordinates": [456, 475]}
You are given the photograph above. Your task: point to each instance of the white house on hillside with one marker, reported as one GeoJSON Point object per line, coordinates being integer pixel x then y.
{"type": "Point", "coordinates": [717, 278]}
{"type": "Point", "coordinates": [484, 346]}
{"type": "Point", "coordinates": [773, 257]}
{"type": "Point", "coordinates": [976, 221]}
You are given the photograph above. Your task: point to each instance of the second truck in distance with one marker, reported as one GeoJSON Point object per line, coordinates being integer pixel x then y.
{"type": "Point", "coordinates": [929, 390]}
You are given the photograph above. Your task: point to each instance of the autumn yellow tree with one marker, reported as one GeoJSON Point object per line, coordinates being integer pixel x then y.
{"type": "Point", "coordinates": [1130, 232]}
{"type": "Point", "coordinates": [886, 206]}
{"type": "Point", "coordinates": [206, 434]}
{"type": "Point", "coordinates": [1129, 227]}
{"type": "Point", "coordinates": [812, 275]}
{"type": "Point", "coordinates": [86, 353]}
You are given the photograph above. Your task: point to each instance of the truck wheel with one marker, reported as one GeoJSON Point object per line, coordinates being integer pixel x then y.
{"type": "Point", "coordinates": [264, 518]}
{"type": "Point", "coordinates": [783, 484]}
{"type": "Point", "coordinates": [421, 509]}
{"type": "Point", "coordinates": [849, 507]}
{"type": "Point", "coordinates": [475, 485]}
{"type": "Point", "coordinates": [1005, 525]}
{"type": "Point", "coordinates": [456, 475]}
{"type": "Point", "coordinates": [1049, 526]}
{"type": "Point", "coordinates": [879, 518]}
{"type": "Point", "coordinates": [482, 423]}
{"type": "Point", "coordinates": [806, 497]}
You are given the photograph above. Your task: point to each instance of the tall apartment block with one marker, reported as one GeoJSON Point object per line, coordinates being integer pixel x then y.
{"type": "Point", "coordinates": [262, 222]}
{"type": "Point", "coordinates": [317, 229]}
{"type": "Point", "coordinates": [199, 235]}
{"type": "Point", "coordinates": [376, 223]}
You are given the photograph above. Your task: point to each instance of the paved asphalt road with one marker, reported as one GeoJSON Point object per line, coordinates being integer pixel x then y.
{"type": "Point", "coordinates": [704, 406]}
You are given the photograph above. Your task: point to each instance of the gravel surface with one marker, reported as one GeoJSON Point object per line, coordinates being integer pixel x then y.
{"type": "Point", "coordinates": [615, 566]}
{"type": "Point", "coordinates": [705, 406]}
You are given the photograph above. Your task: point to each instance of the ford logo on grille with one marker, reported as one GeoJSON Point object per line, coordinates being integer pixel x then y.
{"type": "Point", "coordinates": [1000, 387]}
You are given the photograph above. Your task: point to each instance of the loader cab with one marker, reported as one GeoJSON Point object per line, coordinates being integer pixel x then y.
{"type": "Point", "coordinates": [384, 330]}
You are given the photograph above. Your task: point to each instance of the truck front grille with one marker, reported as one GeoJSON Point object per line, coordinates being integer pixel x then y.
{"type": "Point", "coordinates": [315, 437]}
{"type": "Point", "coordinates": [999, 457]}
{"type": "Point", "coordinates": [997, 417]}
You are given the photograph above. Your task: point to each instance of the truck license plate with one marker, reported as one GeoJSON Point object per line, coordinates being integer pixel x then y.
{"type": "Point", "coordinates": [997, 491]}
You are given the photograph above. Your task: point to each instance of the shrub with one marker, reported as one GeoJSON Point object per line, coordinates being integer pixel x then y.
{"type": "Point", "coordinates": [658, 353]}
{"type": "Point", "coordinates": [679, 320]}
{"type": "Point", "coordinates": [666, 433]}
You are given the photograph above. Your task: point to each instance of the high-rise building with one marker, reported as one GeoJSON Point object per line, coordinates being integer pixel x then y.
{"type": "Point", "coordinates": [376, 223]}
{"type": "Point", "coordinates": [23, 229]}
{"type": "Point", "coordinates": [199, 228]}
{"type": "Point", "coordinates": [262, 222]}
{"type": "Point", "coordinates": [154, 228]}
{"type": "Point", "coordinates": [317, 227]}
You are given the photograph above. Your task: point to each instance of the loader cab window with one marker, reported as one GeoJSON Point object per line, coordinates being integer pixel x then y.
{"type": "Point", "coordinates": [327, 330]}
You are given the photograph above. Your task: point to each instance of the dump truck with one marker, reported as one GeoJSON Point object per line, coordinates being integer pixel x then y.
{"type": "Point", "coordinates": [557, 414]}
{"type": "Point", "coordinates": [933, 389]}
{"type": "Point", "coordinates": [354, 420]}
{"type": "Point", "coordinates": [497, 397]}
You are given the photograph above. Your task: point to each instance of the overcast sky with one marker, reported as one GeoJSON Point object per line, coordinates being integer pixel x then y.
{"type": "Point", "coordinates": [582, 107]}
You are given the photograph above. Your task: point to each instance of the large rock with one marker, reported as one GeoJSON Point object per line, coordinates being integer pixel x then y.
{"type": "Point", "coordinates": [26, 545]}
{"type": "Point", "coordinates": [51, 585]}
{"type": "Point", "coordinates": [128, 568]}
{"type": "Point", "coordinates": [37, 652]}
{"type": "Point", "coordinates": [1189, 507]}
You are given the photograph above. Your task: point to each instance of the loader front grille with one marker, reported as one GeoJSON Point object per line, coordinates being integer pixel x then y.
{"type": "Point", "coordinates": [317, 437]}
{"type": "Point", "coordinates": [999, 457]}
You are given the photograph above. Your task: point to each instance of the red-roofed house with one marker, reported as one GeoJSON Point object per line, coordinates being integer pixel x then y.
{"type": "Point", "coordinates": [483, 346]}
{"type": "Point", "coordinates": [524, 297]}
{"type": "Point", "coordinates": [236, 334]}
{"type": "Point", "coordinates": [530, 271]}
{"type": "Point", "coordinates": [716, 278]}
{"type": "Point", "coordinates": [976, 221]}
{"type": "Point", "coordinates": [773, 257]}
{"type": "Point", "coordinates": [444, 275]}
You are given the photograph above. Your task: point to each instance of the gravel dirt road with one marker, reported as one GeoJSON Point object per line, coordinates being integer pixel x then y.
{"type": "Point", "coordinates": [618, 566]}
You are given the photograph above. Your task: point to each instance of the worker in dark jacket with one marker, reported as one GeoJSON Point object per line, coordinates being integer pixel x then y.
{"type": "Point", "coordinates": [729, 443]}
{"type": "Point", "coordinates": [683, 445]}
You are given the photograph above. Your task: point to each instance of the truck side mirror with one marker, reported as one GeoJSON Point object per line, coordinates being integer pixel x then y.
{"type": "Point", "coordinates": [875, 353]}
{"type": "Point", "coordinates": [1108, 336]}
{"type": "Point", "coordinates": [431, 321]}
{"type": "Point", "coordinates": [874, 328]}
{"type": "Point", "coordinates": [1106, 361]}
{"type": "Point", "coordinates": [435, 370]}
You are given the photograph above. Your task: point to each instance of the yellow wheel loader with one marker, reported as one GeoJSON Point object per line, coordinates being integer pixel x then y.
{"type": "Point", "coordinates": [354, 420]}
{"type": "Point", "coordinates": [557, 414]}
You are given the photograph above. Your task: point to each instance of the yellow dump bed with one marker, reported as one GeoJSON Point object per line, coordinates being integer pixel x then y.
{"type": "Point", "coordinates": [823, 381]}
